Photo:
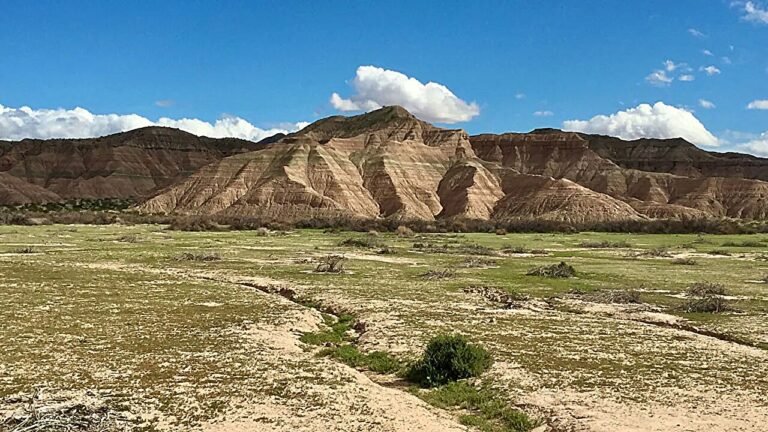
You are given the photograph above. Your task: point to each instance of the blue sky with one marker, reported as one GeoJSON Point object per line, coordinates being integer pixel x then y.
{"type": "Point", "coordinates": [277, 63]}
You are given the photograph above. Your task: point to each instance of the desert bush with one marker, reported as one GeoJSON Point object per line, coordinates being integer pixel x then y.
{"type": "Point", "coordinates": [660, 252]}
{"type": "Point", "coordinates": [539, 252]}
{"type": "Point", "coordinates": [438, 274]}
{"type": "Point", "coordinates": [719, 252]}
{"type": "Point", "coordinates": [475, 249]}
{"type": "Point", "coordinates": [561, 270]}
{"type": "Point", "coordinates": [764, 279]}
{"type": "Point", "coordinates": [510, 249]}
{"type": "Point", "coordinates": [501, 232]}
{"type": "Point", "coordinates": [331, 264]}
{"type": "Point", "coordinates": [703, 289]}
{"type": "Point", "coordinates": [604, 244]}
{"type": "Point", "coordinates": [449, 358]}
{"type": "Point", "coordinates": [361, 242]}
{"type": "Point", "coordinates": [478, 262]}
{"type": "Point", "coordinates": [706, 304]}
{"type": "Point", "coordinates": [684, 261]}
{"type": "Point", "coordinates": [198, 256]}
{"type": "Point", "coordinates": [24, 250]}
{"type": "Point", "coordinates": [620, 296]}
{"type": "Point", "coordinates": [386, 250]}
{"type": "Point", "coordinates": [262, 232]}
{"type": "Point", "coordinates": [128, 238]}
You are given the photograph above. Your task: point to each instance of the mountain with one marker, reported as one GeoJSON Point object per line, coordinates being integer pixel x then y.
{"type": "Point", "coordinates": [654, 193]}
{"type": "Point", "coordinates": [385, 163]}
{"type": "Point", "coordinates": [132, 164]}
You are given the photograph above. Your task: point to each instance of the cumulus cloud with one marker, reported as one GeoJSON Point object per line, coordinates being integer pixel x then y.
{"type": "Point", "coordinates": [707, 52]}
{"type": "Point", "coordinates": [710, 70]}
{"type": "Point", "coordinates": [25, 122]}
{"type": "Point", "coordinates": [696, 33]}
{"type": "Point", "coordinates": [706, 104]}
{"type": "Point", "coordinates": [753, 12]}
{"type": "Point", "coordinates": [758, 146]}
{"type": "Point", "coordinates": [520, 96]}
{"type": "Point", "coordinates": [543, 113]}
{"type": "Point", "coordinates": [758, 104]}
{"type": "Point", "coordinates": [686, 78]}
{"type": "Point", "coordinates": [659, 78]}
{"type": "Point", "coordinates": [647, 121]}
{"type": "Point", "coordinates": [376, 87]}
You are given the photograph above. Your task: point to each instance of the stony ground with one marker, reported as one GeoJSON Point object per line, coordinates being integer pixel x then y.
{"type": "Point", "coordinates": [114, 322]}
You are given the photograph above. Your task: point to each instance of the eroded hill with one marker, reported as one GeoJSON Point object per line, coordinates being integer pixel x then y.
{"type": "Point", "coordinates": [132, 164]}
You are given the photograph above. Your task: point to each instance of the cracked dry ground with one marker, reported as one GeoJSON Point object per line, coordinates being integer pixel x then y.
{"type": "Point", "coordinates": [107, 313]}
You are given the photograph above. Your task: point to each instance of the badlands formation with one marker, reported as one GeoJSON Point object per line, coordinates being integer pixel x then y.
{"type": "Point", "coordinates": [387, 163]}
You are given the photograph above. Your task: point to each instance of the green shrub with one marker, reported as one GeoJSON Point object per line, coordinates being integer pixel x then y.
{"type": "Point", "coordinates": [449, 358]}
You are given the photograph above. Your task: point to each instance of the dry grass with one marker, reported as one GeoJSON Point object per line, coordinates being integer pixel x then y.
{"type": "Point", "coordinates": [561, 270]}
{"type": "Point", "coordinates": [438, 274]}
{"type": "Point", "coordinates": [331, 264]}
{"type": "Point", "coordinates": [198, 256]}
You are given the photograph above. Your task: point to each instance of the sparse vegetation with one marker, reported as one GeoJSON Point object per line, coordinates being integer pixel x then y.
{"type": "Point", "coordinates": [614, 296]}
{"type": "Point", "coordinates": [377, 361]}
{"type": "Point", "coordinates": [128, 238]}
{"type": "Point", "coordinates": [198, 256]}
{"type": "Point", "coordinates": [331, 264]}
{"type": "Point", "coordinates": [707, 304]}
{"type": "Point", "coordinates": [478, 262]}
{"type": "Point", "coordinates": [24, 250]}
{"type": "Point", "coordinates": [744, 244]}
{"type": "Point", "coordinates": [337, 331]}
{"type": "Point", "coordinates": [485, 408]}
{"type": "Point", "coordinates": [685, 261]}
{"type": "Point", "coordinates": [719, 252]}
{"type": "Point", "coordinates": [604, 244]}
{"type": "Point", "coordinates": [369, 242]}
{"type": "Point", "coordinates": [510, 249]}
{"type": "Point", "coordinates": [438, 274]}
{"type": "Point", "coordinates": [561, 270]}
{"type": "Point", "coordinates": [449, 358]}
{"type": "Point", "coordinates": [703, 289]}
{"type": "Point", "coordinates": [194, 224]}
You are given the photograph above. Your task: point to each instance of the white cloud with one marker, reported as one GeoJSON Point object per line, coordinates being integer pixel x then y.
{"type": "Point", "coordinates": [376, 87]}
{"type": "Point", "coordinates": [165, 103]}
{"type": "Point", "coordinates": [758, 146]}
{"type": "Point", "coordinates": [696, 33]}
{"type": "Point", "coordinates": [686, 78]}
{"type": "Point", "coordinates": [710, 70]}
{"type": "Point", "coordinates": [707, 52]}
{"type": "Point", "coordinates": [647, 121]}
{"type": "Point", "coordinates": [706, 104]}
{"type": "Point", "coordinates": [659, 78]}
{"type": "Point", "coordinates": [758, 104]}
{"type": "Point", "coordinates": [671, 66]}
{"type": "Point", "coordinates": [727, 60]}
{"type": "Point", "coordinates": [543, 113]}
{"type": "Point", "coordinates": [753, 12]}
{"type": "Point", "coordinates": [25, 122]}
{"type": "Point", "coordinates": [520, 96]}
